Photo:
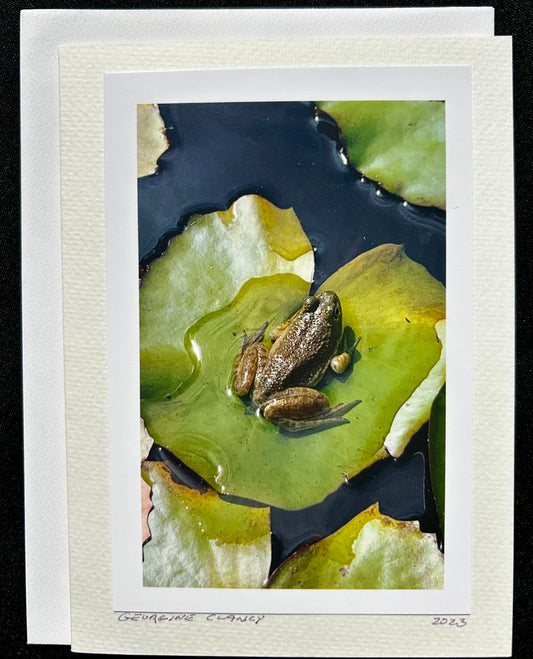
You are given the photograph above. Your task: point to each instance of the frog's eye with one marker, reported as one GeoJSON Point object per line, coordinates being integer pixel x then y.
{"type": "Point", "coordinates": [332, 311]}
{"type": "Point", "coordinates": [310, 303]}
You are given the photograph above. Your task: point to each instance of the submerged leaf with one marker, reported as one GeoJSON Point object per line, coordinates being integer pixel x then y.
{"type": "Point", "coordinates": [388, 301]}
{"type": "Point", "coordinates": [202, 270]}
{"type": "Point", "coordinates": [199, 540]}
{"type": "Point", "coordinates": [401, 144]}
{"type": "Point", "coordinates": [371, 551]}
{"type": "Point", "coordinates": [437, 452]}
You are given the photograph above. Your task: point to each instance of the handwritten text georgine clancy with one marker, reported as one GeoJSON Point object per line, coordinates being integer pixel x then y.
{"type": "Point", "coordinates": [155, 618]}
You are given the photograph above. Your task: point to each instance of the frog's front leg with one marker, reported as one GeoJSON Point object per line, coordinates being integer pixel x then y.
{"type": "Point", "coordinates": [303, 408]}
{"type": "Point", "coordinates": [277, 331]}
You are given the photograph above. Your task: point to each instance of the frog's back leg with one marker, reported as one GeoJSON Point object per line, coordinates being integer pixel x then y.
{"type": "Point", "coordinates": [303, 408]}
{"type": "Point", "coordinates": [247, 364]}
{"type": "Point", "coordinates": [295, 403]}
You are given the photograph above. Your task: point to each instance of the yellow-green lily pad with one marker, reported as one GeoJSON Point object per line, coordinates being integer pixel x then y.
{"type": "Point", "coordinates": [202, 270]}
{"type": "Point", "coordinates": [398, 310]}
{"type": "Point", "coordinates": [388, 300]}
{"type": "Point", "coordinates": [198, 540]}
{"type": "Point", "coordinates": [371, 551]}
{"type": "Point", "coordinates": [400, 144]}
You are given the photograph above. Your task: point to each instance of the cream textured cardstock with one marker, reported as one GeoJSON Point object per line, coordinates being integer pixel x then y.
{"type": "Point", "coordinates": [95, 627]}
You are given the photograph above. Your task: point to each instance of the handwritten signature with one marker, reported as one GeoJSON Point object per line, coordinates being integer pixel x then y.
{"type": "Point", "coordinates": [156, 618]}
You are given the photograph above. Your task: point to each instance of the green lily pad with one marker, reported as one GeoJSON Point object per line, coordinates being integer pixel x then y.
{"type": "Point", "coordinates": [398, 309]}
{"type": "Point", "coordinates": [371, 551]}
{"type": "Point", "coordinates": [401, 144]}
{"type": "Point", "coordinates": [388, 300]}
{"type": "Point", "coordinates": [199, 540]}
{"type": "Point", "coordinates": [202, 270]}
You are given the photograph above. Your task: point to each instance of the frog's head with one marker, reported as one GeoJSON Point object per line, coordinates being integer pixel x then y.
{"type": "Point", "coordinates": [325, 306]}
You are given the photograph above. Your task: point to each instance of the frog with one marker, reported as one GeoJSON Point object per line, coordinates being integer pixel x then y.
{"type": "Point", "coordinates": [281, 381]}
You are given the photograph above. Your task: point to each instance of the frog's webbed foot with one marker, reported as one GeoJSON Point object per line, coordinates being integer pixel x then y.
{"type": "Point", "coordinates": [341, 409]}
{"type": "Point", "coordinates": [303, 425]}
{"type": "Point", "coordinates": [332, 417]}
{"type": "Point", "coordinates": [255, 337]}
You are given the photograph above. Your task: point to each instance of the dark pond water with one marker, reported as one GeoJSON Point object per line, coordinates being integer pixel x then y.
{"type": "Point", "coordinates": [283, 152]}
{"type": "Point", "coordinates": [221, 151]}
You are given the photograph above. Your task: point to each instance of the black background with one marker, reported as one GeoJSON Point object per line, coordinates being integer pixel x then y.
{"type": "Point", "coordinates": [511, 18]}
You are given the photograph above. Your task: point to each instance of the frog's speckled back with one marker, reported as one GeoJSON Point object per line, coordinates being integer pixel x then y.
{"type": "Point", "coordinates": [302, 353]}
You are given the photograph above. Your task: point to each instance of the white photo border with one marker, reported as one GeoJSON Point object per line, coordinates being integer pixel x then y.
{"type": "Point", "coordinates": [122, 93]}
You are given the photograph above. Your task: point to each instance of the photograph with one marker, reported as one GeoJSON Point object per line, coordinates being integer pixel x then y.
{"type": "Point", "coordinates": [292, 332]}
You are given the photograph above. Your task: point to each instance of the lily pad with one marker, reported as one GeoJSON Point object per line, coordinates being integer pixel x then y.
{"type": "Point", "coordinates": [399, 311]}
{"type": "Point", "coordinates": [202, 270]}
{"type": "Point", "coordinates": [371, 551]}
{"type": "Point", "coordinates": [400, 144]}
{"type": "Point", "coordinates": [388, 300]}
{"type": "Point", "coordinates": [199, 540]}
